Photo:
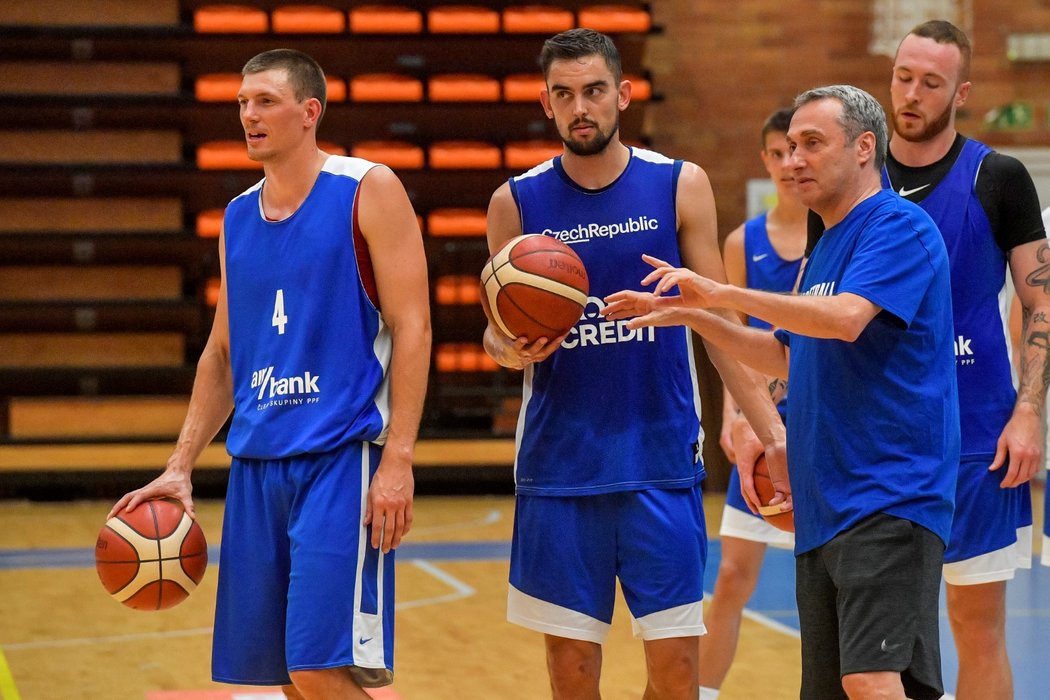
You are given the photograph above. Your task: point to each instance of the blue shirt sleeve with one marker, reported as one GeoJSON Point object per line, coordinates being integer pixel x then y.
{"type": "Point", "coordinates": [891, 265]}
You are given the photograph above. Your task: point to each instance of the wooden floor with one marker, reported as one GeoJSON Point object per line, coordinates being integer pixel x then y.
{"type": "Point", "coordinates": [62, 637]}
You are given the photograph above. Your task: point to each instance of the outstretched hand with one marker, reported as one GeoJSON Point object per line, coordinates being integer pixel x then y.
{"type": "Point", "coordinates": [694, 290]}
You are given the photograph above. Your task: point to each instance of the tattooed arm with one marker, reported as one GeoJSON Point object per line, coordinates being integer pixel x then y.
{"type": "Point", "coordinates": [1020, 446]}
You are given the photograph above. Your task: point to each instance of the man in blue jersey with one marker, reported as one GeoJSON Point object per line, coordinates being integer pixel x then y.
{"type": "Point", "coordinates": [986, 207]}
{"type": "Point", "coordinates": [762, 253]}
{"type": "Point", "coordinates": [609, 438]}
{"type": "Point", "coordinates": [873, 427]}
{"type": "Point", "coordinates": [320, 347]}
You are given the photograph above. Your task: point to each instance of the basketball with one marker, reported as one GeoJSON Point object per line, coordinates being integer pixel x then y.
{"type": "Point", "coordinates": [153, 557]}
{"type": "Point", "coordinates": [534, 286]}
{"type": "Point", "coordinates": [765, 490]}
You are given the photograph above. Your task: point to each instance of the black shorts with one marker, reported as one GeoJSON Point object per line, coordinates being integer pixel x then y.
{"type": "Point", "coordinates": [868, 601]}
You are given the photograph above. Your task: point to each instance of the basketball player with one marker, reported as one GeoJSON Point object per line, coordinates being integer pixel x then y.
{"type": "Point", "coordinates": [609, 439]}
{"type": "Point", "coordinates": [987, 209]}
{"type": "Point", "coordinates": [320, 347]}
{"type": "Point", "coordinates": [763, 253]}
{"type": "Point", "coordinates": [870, 342]}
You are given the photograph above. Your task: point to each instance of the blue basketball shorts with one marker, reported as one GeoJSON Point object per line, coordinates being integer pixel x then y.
{"type": "Point", "coordinates": [300, 586]}
{"type": "Point", "coordinates": [991, 533]}
{"type": "Point", "coordinates": [1046, 527]}
{"type": "Point", "coordinates": [738, 520]}
{"type": "Point", "coordinates": [567, 553]}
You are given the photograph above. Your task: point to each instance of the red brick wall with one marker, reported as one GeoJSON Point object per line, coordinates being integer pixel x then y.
{"type": "Point", "coordinates": [723, 66]}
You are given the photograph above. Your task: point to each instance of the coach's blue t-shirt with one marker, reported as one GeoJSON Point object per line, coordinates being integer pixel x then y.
{"type": "Point", "coordinates": [612, 409]}
{"type": "Point", "coordinates": [308, 347]}
{"type": "Point", "coordinates": [873, 425]}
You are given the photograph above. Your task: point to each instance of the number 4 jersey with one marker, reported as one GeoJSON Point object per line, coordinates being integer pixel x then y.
{"type": "Point", "coordinates": [308, 346]}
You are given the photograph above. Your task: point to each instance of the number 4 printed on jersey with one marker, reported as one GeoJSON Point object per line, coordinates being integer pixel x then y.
{"type": "Point", "coordinates": [279, 318]}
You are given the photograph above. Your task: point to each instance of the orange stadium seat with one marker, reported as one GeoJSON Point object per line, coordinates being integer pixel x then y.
{"type": "Point", "coordinates": [379, 19]}
{"type": "Point", "coordinates": [463, 87]}
{"type": "Point", "coordinates": [217, 87]}
{"type": "Point", "coordinates": [225, 155]}
{"type": "Point", "coordinates": [230, 19]}
{"type": "Point", "coordinates": [456, 221]}
{"type": "Point", "coordinates": [385, 87]}
{"type": "Point", "coordinates": [463, 357]}
{"type": "Point", "coordinates": [526, 154]}
{"type": "Point", "coordinates": [308, 19]}
{"type": "Point", "coordinates": [523, 87]}
{"type": "Point", "coordinates": [453, 290]}
{"type": "Point", "coordinates": [223, 87]}
{"type": "Point", "coordinates": [641, 88]}
{"type": "Point", "coordinates": [537, 19]}
{"type": "Point", "coordinates": [233, 155]}
{"type": "Point", "coordinates": [462, 19]}
{"type": "Point", "coordinates": [211, 291]}
{"type": "Point", "coordinates": [398, 155]}
{"type": "Point", "coordinates": [209, 223]}
{"type": "Point", "coordinates": [614, 19]}
{"type": "Point", "coordinates": [467, 155]}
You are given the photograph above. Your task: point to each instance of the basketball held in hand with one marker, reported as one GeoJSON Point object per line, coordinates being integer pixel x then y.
{"type": "Point", "coordinates": [766, 492]}
{"type": "Point", "coordinates": [535, 286]}
{"type": "Point", "coordinates": [152, 557]}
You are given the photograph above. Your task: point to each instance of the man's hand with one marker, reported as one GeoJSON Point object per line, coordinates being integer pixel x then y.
{"type": "Point", "coordinates": [389, 509]}
{"type": "Point", "coordinates": [1020, 447]}
{"type": "Point", "coordinates": [695, 291]}
{"type": "Point", "coordinates": [173, 483]}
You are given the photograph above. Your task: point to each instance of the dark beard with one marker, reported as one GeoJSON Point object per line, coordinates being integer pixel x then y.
{"type": "Point", "coordinates": [595, 146]}
{"type": "Point", "coordinates": [932, 128]}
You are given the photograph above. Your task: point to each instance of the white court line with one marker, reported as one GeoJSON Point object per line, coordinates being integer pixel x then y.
{"type": "Point", "coordinates": [771, 623]}
{"type": "Point", "coordinates": [494, 516]}
{"type": "Point", "coordinates": [82, 641]}
{"type": "Point", "coordinates": [460, 591]}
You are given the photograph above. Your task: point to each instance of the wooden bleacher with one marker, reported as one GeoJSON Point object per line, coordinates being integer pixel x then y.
{"type": "Point", "coordinates": [104, 280]}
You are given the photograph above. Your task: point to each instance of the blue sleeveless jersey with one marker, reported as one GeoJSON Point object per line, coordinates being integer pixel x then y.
{"type": "Point", "coordinates": [612, 409]}
{"type": "Point", "coordinates": [767, 271]}
{"type": "Point", "coordinates": [308, 348]}
{"type": "Point", "coordinates": [978, 269]}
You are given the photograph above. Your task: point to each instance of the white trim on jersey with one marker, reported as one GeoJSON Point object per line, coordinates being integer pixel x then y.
{"type": "Point", "coordinates": [695, 386]}
{"type": "Point", "coordinates": [383, 347]}
{"type": "Point", "coordinates": [999, 565]}
{"type": "Point", "coordinates": [347, 165]}
{"type": "Point", "coordinates": [745, 526]}
{"type": "Point", "coordinates": [651, 156]}
{"type": "Point", "coordinates": [519, 431]}
{"type": "Point", "coordinates": [368, 641]}
{"type": "Point", "coordinates": [1045, 560]}
{"type": "Point", "coordinates": [536, 170]}
{"type": "Point", "coordinates": [683, 621]}
{"type": "Point", "coordinates": [548, 618]}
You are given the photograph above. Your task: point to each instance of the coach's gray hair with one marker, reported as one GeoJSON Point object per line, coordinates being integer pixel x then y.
{"type": "Point", "coordinates": [860, 112]}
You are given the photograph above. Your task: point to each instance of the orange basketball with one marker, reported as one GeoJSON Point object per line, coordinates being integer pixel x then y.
{"type": "Point", "coordinates": [764, 487]}
{"type": "Point", "coordinates": [153, 557]}
{"type": "Point", "coordinates": [534, 286]}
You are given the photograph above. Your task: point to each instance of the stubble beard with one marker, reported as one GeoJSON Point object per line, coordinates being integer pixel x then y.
{"type": "Point", "coordinates": [931, 129]}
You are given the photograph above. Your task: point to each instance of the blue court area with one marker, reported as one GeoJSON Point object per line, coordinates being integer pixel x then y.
{"type": "Point", "coordinates": [773, 603]}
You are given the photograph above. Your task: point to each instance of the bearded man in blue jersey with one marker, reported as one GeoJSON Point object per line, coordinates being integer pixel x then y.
{"type": "Point", "coordinates": [608, 463]}
{"type": "Point", "coordinates": [873, 422]}
{"type": "Point", "coordinates": [987, 210]}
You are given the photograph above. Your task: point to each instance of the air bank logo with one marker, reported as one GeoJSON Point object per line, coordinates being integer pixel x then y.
{"type": "Point", "coordinates": [592, 329]}
{"type": "Point", "coordinates": [281, 391]}
{"type": "Point", "coordinates": [584, 233]}
{"type": "Point", "coordinates": [963, 351]}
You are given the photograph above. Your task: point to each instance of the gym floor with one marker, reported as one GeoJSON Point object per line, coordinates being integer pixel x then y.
{"type": "Point", "coordinates": [63, 637]}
